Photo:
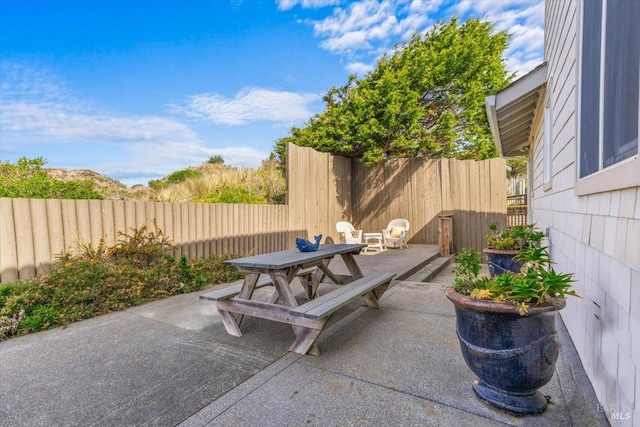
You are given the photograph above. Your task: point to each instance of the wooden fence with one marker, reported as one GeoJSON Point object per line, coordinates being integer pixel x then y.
{"type": "Point", "coordinates": [517, 210]}
{"type": "Point", "coordinates": [516, 186]}
{"type": "Point", "coordinates": [322, 189]}
{"type": "Point", "coordinates": [35, 230]}
{"type": "Point", "coordinates": [420, 190]}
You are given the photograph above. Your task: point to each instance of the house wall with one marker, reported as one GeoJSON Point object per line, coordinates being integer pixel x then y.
{"type": "Point", "coordinates": [595, 236]}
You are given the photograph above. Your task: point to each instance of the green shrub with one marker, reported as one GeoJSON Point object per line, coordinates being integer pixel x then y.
{"type": "Point", "coordinates": [157, 184]}
{"type": "Point", "coordinates": [215, 160]}
{"type": "Point", "coordinates": [27, 179]}
{"type": "Point", "coordinates": [41, 317]}
{"type": "Point", "coordinates": [517, 237]}
{"type": "Point", "coordinates": [232, 194]}
{"type": "Point", "coordinates": [182, 175]}
{"type": "Point", "coordinates": [102, 279]}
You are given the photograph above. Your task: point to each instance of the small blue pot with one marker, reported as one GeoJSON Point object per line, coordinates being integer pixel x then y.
{"type": "Point", "coordinates": [501, 261]}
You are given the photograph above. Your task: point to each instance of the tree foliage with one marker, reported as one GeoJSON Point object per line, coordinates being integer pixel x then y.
{"type": "Point", "coordinates": [215, 160]}
{"type": "Point", "coordinates": [426, 99]}
{"type": "Point", "coordinates": [517, 168]}
{"type": "Point", "coordinates": [27, 179]}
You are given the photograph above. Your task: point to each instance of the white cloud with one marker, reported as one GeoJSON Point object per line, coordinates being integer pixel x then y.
{"type": "Point", "coordinates": [354, 27]}
{"type": "Point", "coordinates": [366, 24]}
{"type": "Point", "coordinates": [37, 103]}
{"type": "Point", "coordinates": [359, 68]}
{"type": "Point", "coordinates": [240, 156]}
{"type": "Point", "coordinates": [521, 66]}
{"type": "Point", "coordinates": [249, 105]}
{"type": "Point", "coordinates": [21, 82]}
{"type": "Point", "coordinates": [63, 123]}
{"type": "Point", "coordinates": [523, 19]}
{"type": "Point", "coordinates": [365, 28]}
{"type": "Point", "coordinates": [305, 4]}
{"type": "Point", "coordinates": [347, 41]}
{"type": "Point", "coordinates": [151, 156]}
{"type": "Point", "coordinates": [526, 40]}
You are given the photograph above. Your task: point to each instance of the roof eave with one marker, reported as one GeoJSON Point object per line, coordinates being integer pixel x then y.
{"type": "Point", "coordinates": [521, 96]}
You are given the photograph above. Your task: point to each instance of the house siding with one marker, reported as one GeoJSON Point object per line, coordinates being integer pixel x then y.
{"type": "Point", "coordinates": [595, 236]}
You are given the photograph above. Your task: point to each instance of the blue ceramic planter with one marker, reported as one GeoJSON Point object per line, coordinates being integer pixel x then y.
{"type": "Point", "coordinates": [512, 355]}
{"type": "Point", "coordinates": [501, 261]}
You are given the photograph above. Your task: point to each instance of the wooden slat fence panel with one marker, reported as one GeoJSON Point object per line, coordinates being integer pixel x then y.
{"type": "Point", "coordinates": [8, 243]}
{"type": "Point", "coordinates": [318, 193]}
{"type": "Point", "coordinates": [55, 227]}
{"type": "Point", "coordinates": [322, 190]}
{"type": "Point", "coordinates": [40, 228]}
{"type": "Point", "coordinates": [34, 231]}
{"type": "Point", "coordinates": [421, 189]}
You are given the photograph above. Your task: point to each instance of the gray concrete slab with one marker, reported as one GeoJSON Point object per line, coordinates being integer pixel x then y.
{"type": "Point", "coordinates": [430, 298]}
{"type": "Point", "coordinates": [171, 362]}
{"type": "Point", "coordinates": [306, 395]}
{"type": "Point", "coordinates": [118, 369]}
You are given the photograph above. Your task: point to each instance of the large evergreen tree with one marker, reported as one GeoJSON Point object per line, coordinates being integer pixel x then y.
{"type": "Point", "coordinates": [424, 99]}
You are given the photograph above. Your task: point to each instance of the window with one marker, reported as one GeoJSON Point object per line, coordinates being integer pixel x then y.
{"type": "Point", "coordinates": [609, 85]}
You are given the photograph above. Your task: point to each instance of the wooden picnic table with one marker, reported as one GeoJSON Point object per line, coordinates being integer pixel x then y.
{"type": "Point", "coordinates": [280, 268]}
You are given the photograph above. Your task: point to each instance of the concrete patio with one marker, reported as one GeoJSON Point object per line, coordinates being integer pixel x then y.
{"type": "Point", "coordinates": [171, 363]}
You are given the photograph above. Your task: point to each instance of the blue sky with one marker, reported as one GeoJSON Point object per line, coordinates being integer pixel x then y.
{"type": "Point", "coordinates": [137, 89]}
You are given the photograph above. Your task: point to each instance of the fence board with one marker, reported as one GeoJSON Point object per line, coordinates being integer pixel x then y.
{"type": "Point", "coordinates": [8, 244]}
{"type": "Point", "coordinates": [218, 228]}
{"type": "Point", "coordinates": [206, 231]}
{"type": "Point", "coordinates": [95, 221]}
{"type": "Point", "coordinates": [130, 215]}
{"type": "Point", "coordinates": [141, 215]}
{"type": "Point", "coordinates": [108, 220]}
{"type": "Point", "coordinates": [197, 231]}
{"type": "Point", "coordinates": [83, 235]}
{"type": "Point", "coordinates": [119, 220]}
{"type": "Point", "coordinates": [55, 228]}
{"type": "Point", "coordinates": [69, 222]}
{"type": "Point", "coordinates": [456, 204]}
{"type": "Point", "coordinates": [40, 229]}
{"type": "Point", "coordinates": [24, 235]}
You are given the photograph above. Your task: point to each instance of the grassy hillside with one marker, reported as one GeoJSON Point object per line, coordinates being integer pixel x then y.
{"type": "Point", "coordinates": [211, 182]}
{"type": "Point", "coordinates": [217, 183]}
{"type": "Point", "coordinates": [108, 188]}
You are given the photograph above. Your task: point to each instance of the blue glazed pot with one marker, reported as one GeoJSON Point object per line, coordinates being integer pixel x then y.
{"type": "Point", "coordinates": [501, 261]}
{"type": "Point", "coordinates": [512, 355]}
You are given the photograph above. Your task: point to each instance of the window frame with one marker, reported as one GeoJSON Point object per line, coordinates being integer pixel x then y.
{"type": "Point", "coordinates": [620, 175]}
{"type": "Point", "coordinates": [547, 146]}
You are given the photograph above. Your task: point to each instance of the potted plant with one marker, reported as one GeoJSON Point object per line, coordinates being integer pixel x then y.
{"type": "Point", "coordinates": [503, 246]}
{"type": "Point", "coordinates": [506, 327]}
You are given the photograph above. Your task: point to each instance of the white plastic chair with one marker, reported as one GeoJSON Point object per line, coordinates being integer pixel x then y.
{"type": "Point", "coordinates": [347, 233]}
{"type": "Point", "coordinates": [395, 233]}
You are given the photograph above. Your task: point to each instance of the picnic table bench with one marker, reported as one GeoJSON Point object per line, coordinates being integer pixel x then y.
{"type": "Point", "coordinates": [280, 268]}
{"type": "Point", "coordinates": [325, 305]}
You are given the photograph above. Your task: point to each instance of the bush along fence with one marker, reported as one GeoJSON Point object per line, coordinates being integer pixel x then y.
{"type": "Point", "coordinates": [100, 279]}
